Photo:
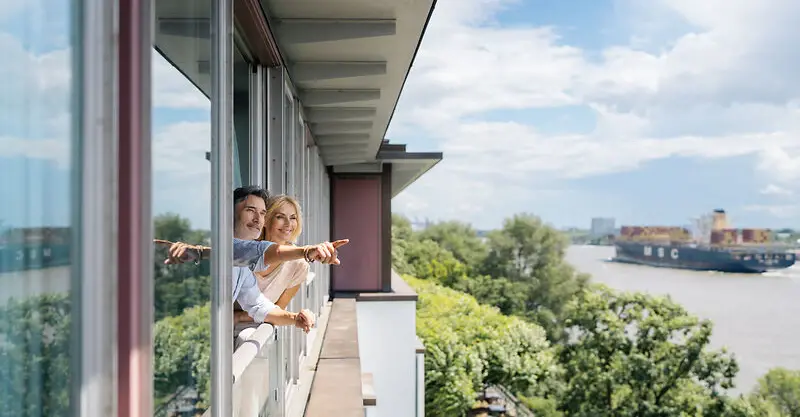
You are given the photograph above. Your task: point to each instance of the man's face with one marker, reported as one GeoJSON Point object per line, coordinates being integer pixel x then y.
{"type": "Point", "coordinates": [249, 218]}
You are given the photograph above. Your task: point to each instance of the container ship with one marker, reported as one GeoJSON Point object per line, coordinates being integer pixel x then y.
{"type": "Point", "coordinates": [712, 246]}
{"type": "Point", "coordinates": [26, 249]}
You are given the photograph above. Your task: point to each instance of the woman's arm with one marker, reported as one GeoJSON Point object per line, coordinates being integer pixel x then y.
{"type": "Point", "coordinates": [287, 296]}
{"type": "Point", "coordinates": [299, 274]}
{"type": "Point", "coordinates": [324, 252]}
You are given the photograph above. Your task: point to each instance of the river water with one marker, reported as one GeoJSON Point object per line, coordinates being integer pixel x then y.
{"type": "Point", "coordinates": [757, 317]}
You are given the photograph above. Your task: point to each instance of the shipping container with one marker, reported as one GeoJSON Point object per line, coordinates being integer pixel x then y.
{"type": "Point", "coordinates": [724, 237]}
{"type": "Point", "coordinates": [655, 233]}
{"type": "Point", "coordinates": [756, 235]}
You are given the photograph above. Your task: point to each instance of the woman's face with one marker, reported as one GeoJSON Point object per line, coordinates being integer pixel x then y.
{"type": "Point", "coordinates": [283, 224]}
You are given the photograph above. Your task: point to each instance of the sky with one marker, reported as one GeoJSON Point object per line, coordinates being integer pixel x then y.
{"type": "Point", "coordinates": [570, 110]}
{"type": "Point", "coordinates": [567, 110]}
{"type": "Point", "coordinates": [36, 118]}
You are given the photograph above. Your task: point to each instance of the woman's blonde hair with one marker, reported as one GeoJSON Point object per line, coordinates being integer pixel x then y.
{"type": "Point", "coordinates": [273, 204]}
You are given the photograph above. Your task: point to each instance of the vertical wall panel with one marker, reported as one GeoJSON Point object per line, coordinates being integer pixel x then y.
{"type": "Point", "coordinates": [357, 216]}
{"type": "Point", "coordinates": [135, 276]}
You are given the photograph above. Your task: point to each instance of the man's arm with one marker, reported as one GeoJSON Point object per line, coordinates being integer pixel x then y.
{"type": "Point", "coordinates": [259, 307]}
{"type": "Point", "coordinates": [246, 252]}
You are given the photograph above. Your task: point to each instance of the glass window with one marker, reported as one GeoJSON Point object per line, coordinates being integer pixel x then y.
{"type": "Point", "coordinates": [288, 145]}
{"type": "Point", "coordinates": [181, 204]}
{"type": "Point", "coordinates": [36, 193]}
{"type": "Point", "coordinates": [241, 118]}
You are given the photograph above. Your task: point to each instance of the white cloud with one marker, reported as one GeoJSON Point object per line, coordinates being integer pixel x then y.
{"type": "Point", "coordinates": [776, 190]}
{"type": "Point", "coordinates": [722, 86]}
{"type": "Point", "coordinates": [36, 117]}
{"type": "Point", "coordinates": [171, 89]}
{"type": "Point", "coordinates": [180, 149]}
{"type": "Point", "coordinates": [57, 150]}
{"type": "Point", "coordinates": [782, 163]}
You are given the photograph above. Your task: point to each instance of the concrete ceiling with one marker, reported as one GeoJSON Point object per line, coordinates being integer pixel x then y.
{"type": "Point", "coordinates": [348, 59]}
{"type": "Point", "coordinates": [406, 166]}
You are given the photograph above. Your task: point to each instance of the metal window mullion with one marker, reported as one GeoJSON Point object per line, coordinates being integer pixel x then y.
{"type": "Point", "coordinates": [257, 143]}
{"type": "Point", "coordinates": [287, 142]}
{"type": "Point", "coordinates": [320, 217]}
{"type": "Point", "coordinates": [93, 275]}
{"type": "Point", "coordinates": [221, 207]}
{"type": "Point", "coordinates": [298, 149]}
{"type": "Point", "coordinates": [277, 372]}
{"type": "Point", "coordinates": [276, 175]}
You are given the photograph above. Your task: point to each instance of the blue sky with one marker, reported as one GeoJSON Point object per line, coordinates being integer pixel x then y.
{"type": "Point", "coordinates": [564, 109]}
{"type": "Point", "coordinates": [589, 108]}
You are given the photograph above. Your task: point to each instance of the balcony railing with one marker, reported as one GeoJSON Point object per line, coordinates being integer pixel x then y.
{"type": "Point", "coordinates": [273, 367]}
{"type": "Point", "coordinates": [260, 388]}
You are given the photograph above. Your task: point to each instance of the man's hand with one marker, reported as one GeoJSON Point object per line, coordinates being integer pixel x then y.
{"type": "Point", "coordinates": [180, 252]}
{"type": "Point", "coordinates": [304, 320]}
{"type": "Point", "coordinates": [326, 252]}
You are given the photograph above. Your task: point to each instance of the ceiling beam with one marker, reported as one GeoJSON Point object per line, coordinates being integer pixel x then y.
{"type": "Point", "coordinates": [343, 160]}
{"type": "Point", "coordinates": [295, 31]}
{"type": "Point", "coordinates": [357, 150]}
{"type": "Point", "coordinates": [317, 71]}
{"type": "Point", "coordinates": [326, 97]}
{"type": "Point", "coordinates": [342, 139]}
{"type": "Point", "coordinates": [323, 114]}
{"type": "Point", "coordinates": [326, 128]}
{"type": "Point", "coordinates": [374, 167]}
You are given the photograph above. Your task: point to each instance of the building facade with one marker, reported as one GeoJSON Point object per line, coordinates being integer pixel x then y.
{"type": "Point", "coordinates": [129, 120]}
{"type": "Point", "coordinates": [602, 226]}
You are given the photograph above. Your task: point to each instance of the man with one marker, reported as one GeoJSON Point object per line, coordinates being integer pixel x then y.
{"type": "Point", "coordinates": [250, 207]}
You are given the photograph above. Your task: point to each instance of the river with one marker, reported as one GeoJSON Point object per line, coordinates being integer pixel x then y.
{"type": "Point", "coordinates": [757, 317]}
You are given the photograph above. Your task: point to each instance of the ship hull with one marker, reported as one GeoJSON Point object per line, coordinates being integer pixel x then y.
{"type": "Point", "coordinates": [747, 260]}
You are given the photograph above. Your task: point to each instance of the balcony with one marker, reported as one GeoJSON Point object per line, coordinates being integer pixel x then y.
{"type": "Point", "coordinates": [363, 358]}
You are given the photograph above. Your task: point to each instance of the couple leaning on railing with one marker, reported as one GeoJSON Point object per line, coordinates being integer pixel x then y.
{"type": "Point", "coordinates": [267, 264]}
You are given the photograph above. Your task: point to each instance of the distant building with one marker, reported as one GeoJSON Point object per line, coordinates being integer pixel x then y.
{"type": "Point", "coordinates": [602, 226]}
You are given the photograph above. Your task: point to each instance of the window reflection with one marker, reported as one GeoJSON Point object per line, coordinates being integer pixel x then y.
{"type": "Point", "coordinates": [241, 120]}
{"type": "Point", "coordinates": [36, 121]}
{"type": "Point", "coordinates": [181, 204]}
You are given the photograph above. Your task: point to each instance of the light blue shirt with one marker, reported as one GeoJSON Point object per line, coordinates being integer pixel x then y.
{"type": "Point", "coordinates": [245, 284]}
{"type": "Point", "coordinates": [249, 252]}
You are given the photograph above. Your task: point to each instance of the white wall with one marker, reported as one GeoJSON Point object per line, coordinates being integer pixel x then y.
{"type": "Point", "coordinates": [387, 346]}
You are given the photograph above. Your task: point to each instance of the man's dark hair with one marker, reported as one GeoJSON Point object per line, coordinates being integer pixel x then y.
{"type": "Point", "coordinates": [241, 193]}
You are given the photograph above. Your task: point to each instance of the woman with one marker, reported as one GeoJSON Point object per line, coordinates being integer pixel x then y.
{"type": "Point", "coordinates": [280, 281]}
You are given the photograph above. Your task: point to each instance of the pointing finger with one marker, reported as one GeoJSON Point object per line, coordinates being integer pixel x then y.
{"type": "Point", "coordinates": [340, 242]}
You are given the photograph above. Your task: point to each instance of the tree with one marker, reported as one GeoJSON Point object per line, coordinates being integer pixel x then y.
{"type": "Point", "coordinates": [469, 345]}
{"type": "Point", "coordinates": [427, 260]}
{"type": "Point", "coordinates": [182, 352]}
{"type": "Point", "coordinates": [527, 251]}
{"type": "Point", "coordinates": [638, 355]}
{"type": "Point", "coordinates": [402, 234]}
{"type": "Point", "coordinates": [178, 287]}
{"type": "Point", "coordinates": [778, 391]}
{"type": "Point", "coordinates": [35, 356]}
{"type": "Point", "coordinates": [502, 293]}
{"type": "Point", "coordinates": [458, 238]}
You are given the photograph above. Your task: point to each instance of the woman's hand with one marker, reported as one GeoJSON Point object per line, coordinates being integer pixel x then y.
{"type": "Point", "coordinates": [325, 252]}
